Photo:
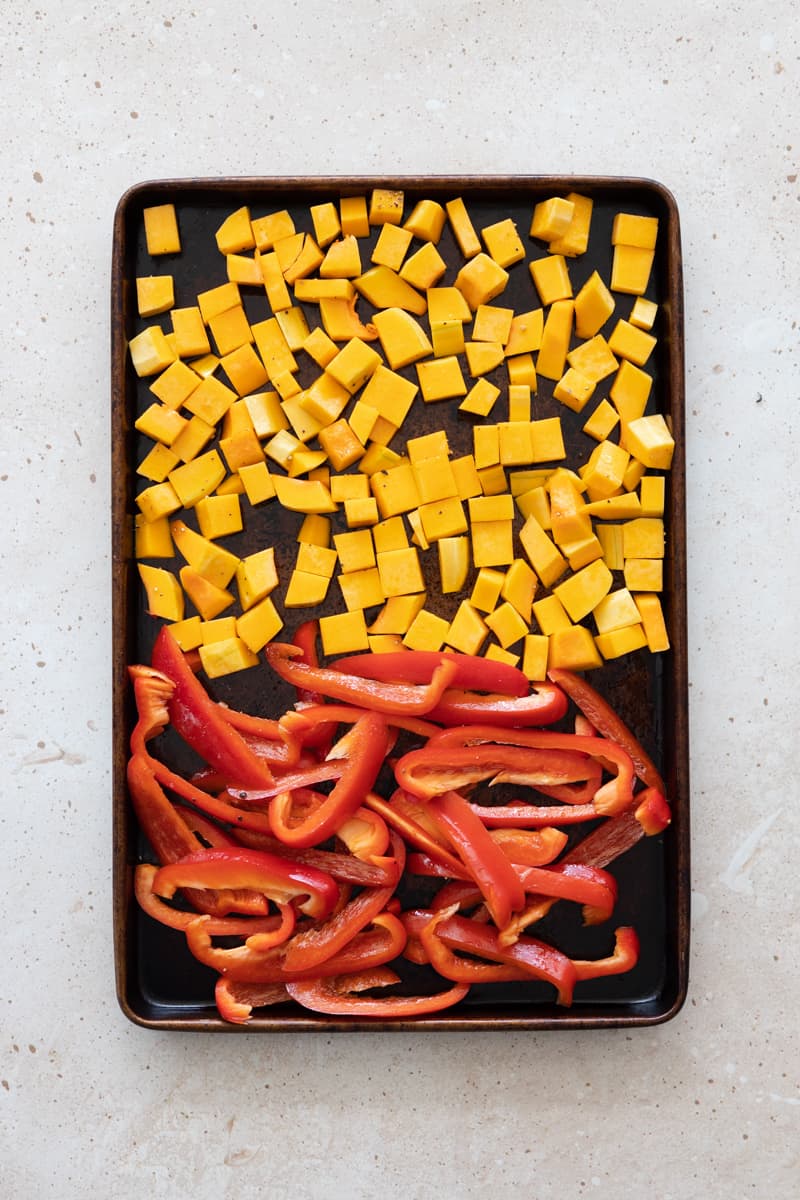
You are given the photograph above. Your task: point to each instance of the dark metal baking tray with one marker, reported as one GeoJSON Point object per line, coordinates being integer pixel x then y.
{"type": "Point", "coordinates": [158, 984]}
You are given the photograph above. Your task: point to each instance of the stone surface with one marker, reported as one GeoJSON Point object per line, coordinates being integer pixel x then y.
{"type": "Point", "coordinates": [702, 96]}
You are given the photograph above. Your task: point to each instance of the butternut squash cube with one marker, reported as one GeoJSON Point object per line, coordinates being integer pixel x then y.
{"type": "Point", "coordinates": [615, 611]}
{"type": "Point", "coordinates": [161, 229]}
{"type": "Point", "coordinates": [649, 440]}
{"type": "Point", "coordinates": [341, 445]}
{"type": "Point", "coordinates": [582, 551]}
{"type": "Point", "coordinates": [621, 641]}
{"type": "Point", "coordinates": [519, 588]}
{"type": "Point", "coordinates": [397, 615]}
{"type": "Point", "coordinates": [594, 304]}
{"type": "Point", "coordinates": [576, 238]}
{"type": "Point", "coordinates": [644, 574]}
{"type": "Point", "coordinates": [447, 337]}
{"type": "Point", "coordinates": [226, 657]}
{"type": "Point", "coordinates": [218, 516]}
{"type": "Point", "coordinates": [486, 589]}
{"type": "Point", "coordinates": [652, 618]}
{"type": "Point", "coordinates": [453, 563]}
{"type": "Point", "coordinates": [360, 513]}
{"type": "Point", "coordinates": [551, 218]}
{"type": "Point", "coordinates": [651, 495]}
{"type": "Point", "coordinates": [256, 577]}
{"type": "Point", "coordinates": [395, 490]}
{"type": "Point", "coordinates": [426, 632]}
{"type": "Point", "coordinates": [574, 389]}
{"type": "Point", "coordinates": [344, 633]}
{"type": "Point", "coordinates": [481, 280]}
{"type": "Point", "coordinates": [535, 503]}
{"type": "Point", "coordinates": [493, 480]}
{"type": "Point", "coordinates": [442, 518]}
{"type": "Point", "coordinates": [230, 330]}
{"type": "Point", "coordinates": [198, 478]}
{"type": "Point", "coordinates": [390, 394]}
{"type": "Point", "coordinates": [630, 391]}
{"type": "Point", "coordinates": [643, 313]}
{"type": "Point", "coordinates": [426, 221]}
{"type": "Point", "coordinates": [342, 261]}
{"type": "Point", "coordinates": [584, 590]}
{"type": "Point", "coordinates": [440, 379]}
{"type": "Point", "coordinates": [615, 508]}
{"type": "Point", "coordinates": [307, 261]}
{"type": "Point", "coordinates": [212, 562]}
{"type": "Point", "coordinates": [379, 458]}
{"type": "Point", "coordinates": [547, 440]}
{"type": "Point", "coordinates": [574, 649]}
{"type": "Point", "coordinates": [486, 446]}
{"type": "Point", "coordinates": [447, 304]}
{"type": "Point", "coordinates": [556, 336]}
{"type": "Point", "coordinates": [389, 535]}
{"type": "Point", "coordinates": [534, 657]}
{"type": "Point", "coordinates": [492, 324]}
{"type": "Point", "coordinates": [244, 269]}
{"type": "Point", "coordinates": [190, 331]}
{"type": "Point", "coordinates": [209, 599]}
{"type": "Point", "coordinates": [605, 470]}
{"type": "Point", "coordinates": [483, 357]}
{"type": "Point", "coordinates": [507, 625]}
{"type": "Point", "coordinates": [497, 654]}
{"type": "Point", "coordinates": [492, 543]}
{"type": "Point", "coordinates": [325, 219]}
{"type": "Point", "coordinates": [386, 207]}
{"type": "Point", "coordinates": [551, 278]}
{"type": "Point", "coordinates": [294, 327]}
{"type": "Point", "coordinates": [150, 351]}
{"type": "Point", "coordinates": [305, 589]}
{"type": "Point", "coordinates": [315, 291]}
{"type": "Point", "coordinates": [568, 518]}
{"type": "Point", "coordinates": [188, 633]}
{"type": "Point", "coordinates": [643, 538]}
{"type": "Point", "coordinates": [153, 538]}
{"type": "Point", "coordinates": [400, 572]}
{"type": "Point", "coordinates": [259, 625]}
{"type": "Point", "coordinates": [273, 347]}
{"type": "Point", "coordinates": [515, 443]}
{"type": "Point", "coordinates": [543, 555]}
{"type": "Point", "coordinates": [402, 338]}
{"type": "Point", "coordinates": [315, 530]}
{"type": "Point", "coordinates": [235, 233]}
{"type": "Point", "coordinates": [424, 268]}
{"type": "Point", "coordinates": [550, 615]}
{"type": "Point", "coordinates": [160, 500]}
{"type": "Point", "coordinates": [217, 300]}
{"type": "Point", "coordinates": [468, 630]}
{"type": "Point", "coordinates": [593, 358]}
{"type": "Point", "coordinates": [355, 550]}
{"type": "Point", "coordinates": [320, 347]}
{"type": "Point", "coordinates": [163, 592]}
{"type": "Point", "coordinates": [629, 342]}
{"type": "Point", "coordinates": [525, 334]}
{"type": "Point", "coordinates": [503, 242]}
{"type": "Point", "coordinates": [632, 478]}
{"type": "Point", "coordinates": [434, 478]}
{"type": "Point", "coordinates": [466, 476]}
{"type": "Point", "coordinates": [361, 589]}
{"type": "Point", "coordinates": [630, 269]}
{"type": "Point", "coordinates": [602, 421]}
{"type": "Point", "coordinates": [463, 230]}
{"type": "Point", "coordinates": [354, 216]}
{"type": "Point", "coordinates": [630, 229]}
{"type": "Point", "coordinates": [303, 495]}
{"type": "Point", "coordinates": [610, 538]}
{"type": "Point", "coordinates": [160, 423]}
{"type": "Point", "coordinates": [384, 288]}
{"type": "Point", "coordinates": [385, 643]}
{"type": "Point", "coordinates": [349, 487]}
{"type": "Point", "coordinates": [217, 630]}
{"type": "Point", "coordinates": [316, 560]}
{"type": "Point", "coordinates": [154, 294]}
{"type": "Point", "coordinates": [355, 363]}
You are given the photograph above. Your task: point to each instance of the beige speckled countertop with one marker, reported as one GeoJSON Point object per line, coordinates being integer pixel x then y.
{"type": "Point", "coordinates": [700, 95]}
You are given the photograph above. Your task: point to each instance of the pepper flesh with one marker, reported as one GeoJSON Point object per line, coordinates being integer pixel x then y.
{"type": "Point", "coordinates": [418, 666]}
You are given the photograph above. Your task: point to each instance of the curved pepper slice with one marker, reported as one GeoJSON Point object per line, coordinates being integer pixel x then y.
{"type": "Point", "coordinates": [314, 946]}
{"type": "Point", "coordinates": [279, 879]}
{"type": "Point", "coordinates": [197, 719]}
{"type": "Point", "coordinates": [459, 969]}
{"type": "Point", "coordinates": [533, 816]}
{"type": "Point", "coordinates": [589, 886]}
{"type": "Point", "coordinates": [602, 716]}
{"type": "Point", "coordinates": [366, 747]}
{"type": "Point", "coordinates": [390, 698]}
{"type": "Point", "coordinates": [404, 819]}
{"type": "Point", "coordinates": [487, 862]}
{"type": "Point", "coordinates": [418, 666]}
{"type": "Point", "coordinates": [530, 847]}
{"type": "Point", "coordinates": [438, 768]}
{"type": "Point", "coordinates": [235, 1001]}
{"type": "Point", "coordinates": [344, 867]}
{"type": "Point", "coordinates": [543, 706]}
{"type": "Point", "coordinates": [624, 957]}
{"type": "Point", "coordinates": [365, 834]}
{"type": "Point", "coordinates": [280, 927]}
{"type": "Point", "coordinates": [337, 996]}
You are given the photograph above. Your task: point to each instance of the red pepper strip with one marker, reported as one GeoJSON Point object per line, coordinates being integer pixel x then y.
{"type": "Point", "coordinates": [365, 834]}
{"type": "Point", "coordinates": [397, 699]}
{"type": "Point", "coordinates": [609, 799]}
{"type": "Point", "coordinates": [208, 833]}
{"type": "Point", "coordinates": [606, 843]}
{"type": "Point", "coordinates": [153, 692]}
{"type": "Point", "coordinates": [530, 847]}
{"type": "Point", "coordinates": [277, 878]}
{"type": "Point", "coordinates": [406, 825]}
{"type": "Point", "coordinates": [624, 957]}
{"type": "Point", "coordinates": [372, 947]}
{"type": "Point", "coordinates": [487, 862]}
{"type": "Point", "coordinates": [177, 918]}
{"type": "Point", "coordinates": [367, 747]}
{"type": "Point", "coordinates": [543, 706]}
{"type": "Point", "coordinates": [533, 912]}
{"type": "Point", "coordinates": [425, 864]}
{"type": "Point", "coordinates": [305, 639]}
{"type": "Point", "coordinates": [330, 996]}
{"type": "Point", "coordinates": [306, 778]}
{"type": "Point", "coordinates": [652, 811]}
{"type": "Point", "coordinates": [438, 768]}
{"type": "Point", "coordinates": [589, 886]}
{"type": "Point", "coordinates": [607, 723]}
{"type": "Point", "coordinates": [268, 739]}
{"type": "Point", "coordinates": [343, 867]}
{"type": "Point", "coordinates": [212, 805]}
{"type": "Point", "coordinates": [531, 816]}
{"type": "Point", "coordinates": [306, 719]}
{"type": "Point", "coordinates": [418, 666]}
{"type": "Point", "coordinates": [577, 793]}
{"type": "Point", "coordinates": [235, 1001]}
{"type": "Point", "coordinates": [458, 969]}
{"type": "Point", "coordinates": [197, 719]}
{"type": "Point", "coordinates": [536, 958]}
{"type": "Point", "coordinates": [321, 942]}
{"type": "Point", "coordinates": [464, 894]}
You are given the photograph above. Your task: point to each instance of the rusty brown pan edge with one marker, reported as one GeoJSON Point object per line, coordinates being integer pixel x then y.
{"type": "Point", "coordinates": [677, 693]}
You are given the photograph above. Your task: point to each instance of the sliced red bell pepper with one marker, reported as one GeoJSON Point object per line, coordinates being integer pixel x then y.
{"type": "Point", "coordinates": [590, 886]}
{"type": "Point", "coordinates": [279, 879]}
{"type": "Point", "coordinates": [438, 768]}
{"type": "Point", "coordinates": [344, 867]}
{"type": "Point", "coordinates": [177, 918]}
{"type": "Point", "coordinates": [269, 739]}
{"type": "Point", "coordinates": [337, 996]}
{"type": "Point", "coordinates": [542, 706]}
{"type": "Point", "coordinates": [305, 777]}
{"type": "Point", "coordinates": [536, 958]}
{"type": "Point", "coordinates": [404, 820]}
{"type": "Point", "coordinates": [533, 816]}
{"type": "Point", "coordinates": [418, 666]}
{"type": "Point", "coordinates": [624, 957]}
{"type": "Point", "coordinates": [459, 969]}
{"type": "Point", "coordinates": [602, 716]}
{"type": "Point", "coordinates": [421, 863]}
{"type": "Point", "coordinates": [390, 698]}
{"type": "Point", "coordinates": [487, 863]}
{"type": "Point", "coordinates": [235, 1001]}
{"type": "Point", "coordinates": [309, 949]}
{"type": "Point", "coordinates": [302, 721]}
{"type": "Point", "coordinates": [607, 842]}
{"type": "Point", "coordinates": [365, 834]}
{"type": "Point", "coordinates": [197, 719]}
{"type": "Point", "coordinates": [366, 747]}
{"type": "Point", "coordinates": [652, 811]}
{"type": "Point", "coordinates": [530, 847]}
{"type": "Point", "coordinates": [152, 691]}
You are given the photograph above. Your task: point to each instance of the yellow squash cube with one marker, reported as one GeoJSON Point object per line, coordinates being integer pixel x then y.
{"type": "Point", "coordinates": [164, 595]}
{"type": "Point", "coordinates": [344, 633]}
{"type": "Point", "coordinates": [426, 632]}
{"type": "Point", "coordinates": [259, 625]}
{"type": "Point", "coordinates": [481, 280]}
{"type": "Point", "coordinates": [463, 230]}
{"type": "Point", "coordinates": [440, 379]}
{"type": "Point", "coordinates": [552, 218]}
{"type": "Point", "coordinates": [574, 649]}
{"type": "Point", "coordinates": [468, 630]}
{"type": "Point", "coordinates": [649, 440]}
{"type": "Point", "coordinates": [426, 221]}
{"type": "Point", "coordinates": [551, 278]}
{"type": "Point", "coordinates": [161, 229]}
{"type": "Point", "coordinates": [594, 304]}
{"type": "Point", "coordinates": [555, 341]}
